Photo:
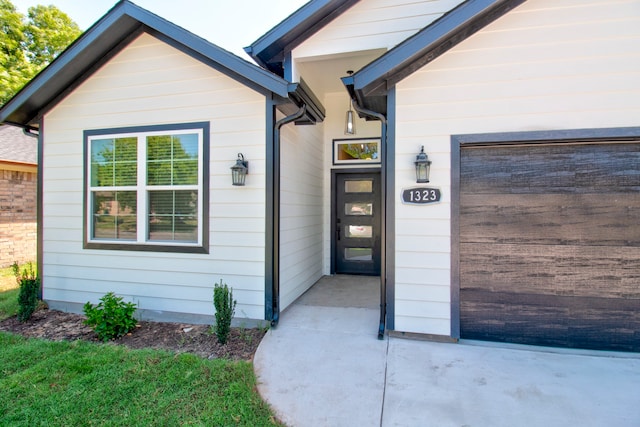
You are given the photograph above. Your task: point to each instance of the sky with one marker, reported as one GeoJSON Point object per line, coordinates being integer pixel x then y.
{"type": "Point", "coordinates": [230, 24]}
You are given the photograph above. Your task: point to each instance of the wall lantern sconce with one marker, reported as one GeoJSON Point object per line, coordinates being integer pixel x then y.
{"type": "Point", "coordinates": [349, 121]}
{"type": "Point", "coordinates": [240, 170]}
{"type": "Point", "coordinates": [423, 164]}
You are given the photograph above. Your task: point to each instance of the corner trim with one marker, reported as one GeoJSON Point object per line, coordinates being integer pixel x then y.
{"type": "Point", "coordinates": [455, 238]}
{"type": "Point", "coordinates": [390, 209]}
{"type": "Point", "coordinates": [40, 209]}
{"type": "Point", "coordinates": [270, 201]}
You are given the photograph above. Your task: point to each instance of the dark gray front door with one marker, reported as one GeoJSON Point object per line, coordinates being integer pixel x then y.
{"type": "Point", "coordinates": [356, 225]}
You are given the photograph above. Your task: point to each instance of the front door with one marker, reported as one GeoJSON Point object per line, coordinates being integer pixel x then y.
{"type": "Point", "coordinates": [356, 223]}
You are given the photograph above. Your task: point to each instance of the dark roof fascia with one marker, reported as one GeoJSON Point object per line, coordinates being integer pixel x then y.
{"type": "Point", "coordinates": [371, 83]}
{"type": "Point", "coordinates": [50, 82]}
{"type": "Point", "coordinates": [103, 40]}
{"type": "Point", "coordinates": [301, 94]}
{"type": "Point", "coordinates": [270, 50]}
{"type": "Point", "coordinates": [373, 103]}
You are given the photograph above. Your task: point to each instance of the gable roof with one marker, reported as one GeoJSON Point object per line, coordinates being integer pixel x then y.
{"type": "Point", "coordinates": [270, 50]}
{"type": "Point", "coordinates": [106, 38]}
{"type": "Point", "coordinates": [369, 85]}
{"type": "Point", "coordinates": [16, 147]}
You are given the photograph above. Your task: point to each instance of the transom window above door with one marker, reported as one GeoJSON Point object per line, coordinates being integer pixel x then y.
{"type": "Point", "coordinates": [146, 188]}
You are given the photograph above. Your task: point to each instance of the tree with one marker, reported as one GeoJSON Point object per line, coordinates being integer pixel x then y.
{"type": "Point", "coordinates": [27, 45]}
{"type": "Point", "coordinates": [48, 32]}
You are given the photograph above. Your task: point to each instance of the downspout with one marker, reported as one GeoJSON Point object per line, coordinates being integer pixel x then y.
{"type": "Point", "coordinates": [36, 133]}
{"type": "Point", "coordinates": [383, 184]}
{"type": "Point", "coordinates": [275, 294]}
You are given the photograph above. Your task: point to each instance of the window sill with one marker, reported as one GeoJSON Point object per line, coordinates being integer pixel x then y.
{"type": "Point", "coordinates": [136, 247]}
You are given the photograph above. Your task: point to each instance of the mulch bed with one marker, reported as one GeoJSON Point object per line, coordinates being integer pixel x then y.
{"type": "Point", "coordinates": [174, 337]}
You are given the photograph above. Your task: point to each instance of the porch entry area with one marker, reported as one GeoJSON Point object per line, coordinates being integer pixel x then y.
{"type": "Point", "coordinates": [346, 291]}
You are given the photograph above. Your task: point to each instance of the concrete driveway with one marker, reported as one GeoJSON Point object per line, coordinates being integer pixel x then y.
{"type": "Point", "coordinates": [324, 366]}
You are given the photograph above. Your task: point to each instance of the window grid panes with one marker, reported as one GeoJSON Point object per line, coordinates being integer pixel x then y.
{"type": "Point", "coordinates": [114, 162]}
{"type": "Point", "coordinates": [358, 254]}
{"type": "Point", "coordinates": [146, 187]}
{"type": "Point", "coordinates": [172, 159]}
{"type": "Point", "coordinates": [358, 186]}
{"type": "Point", "coordinates": [358, 208]}
{"type": "Point", "coordinates": [173, 215]}
{"type": "Point", "coordinates": [115, 215]}
{"type": "Point", "coordinates": [359, 231]}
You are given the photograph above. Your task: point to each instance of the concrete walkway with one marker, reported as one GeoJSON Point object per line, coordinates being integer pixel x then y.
{"type": "Point", "coordinates": [324, 366]}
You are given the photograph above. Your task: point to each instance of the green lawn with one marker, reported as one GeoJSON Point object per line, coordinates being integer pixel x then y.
{"type": "Point", "coordinates": [8, 303]}
{"type": "Point", "coordinates": [9, 290]}
{"type": "Point", "coordinates": [7, 279]}
{"type": "Point", "coordinates": [79, 383]}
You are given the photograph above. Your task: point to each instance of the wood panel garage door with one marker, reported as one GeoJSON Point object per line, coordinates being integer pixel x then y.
{"type": "Point", "coordinates": [550, 244]}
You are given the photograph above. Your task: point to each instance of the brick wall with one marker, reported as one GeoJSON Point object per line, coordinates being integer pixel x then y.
{"type": "Point", "coordinates": [18, 229]}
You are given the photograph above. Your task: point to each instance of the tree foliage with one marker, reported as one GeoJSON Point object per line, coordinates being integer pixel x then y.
{"type": "Point", "coordinates": [28, 44]}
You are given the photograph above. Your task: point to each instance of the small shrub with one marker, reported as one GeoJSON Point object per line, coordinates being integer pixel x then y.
{"type": "Point", "coordinates": [29, 290]}
{"type": "Point", "coordinates": [225, 307]}
{"type": "Point", "coordinates": [111, 318]}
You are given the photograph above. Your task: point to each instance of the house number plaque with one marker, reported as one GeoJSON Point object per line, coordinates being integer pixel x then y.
{"type": "Point", "coordinates": [421, 195]}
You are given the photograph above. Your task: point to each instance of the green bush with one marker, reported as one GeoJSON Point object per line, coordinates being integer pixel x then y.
{"type": "Point", "coordinates": [29, 290]}
{"type": "Point", "coordinates": [225, 308]}
{"type": "Point", "coordinates": [111, 318]}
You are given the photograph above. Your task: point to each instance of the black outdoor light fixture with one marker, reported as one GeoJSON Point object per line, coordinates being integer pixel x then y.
{"type": "Point", "coordinates": [349, 121]}
{"type": "Point", "coordinates": [423, 164]}
{"type": "Point", "coordinates": [240, 170]}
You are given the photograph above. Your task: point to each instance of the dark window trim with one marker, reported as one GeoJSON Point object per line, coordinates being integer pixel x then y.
{"type": "Point", "coordinates": [595, 135]}
{"type": "Point", "coordinates": [140, 247]}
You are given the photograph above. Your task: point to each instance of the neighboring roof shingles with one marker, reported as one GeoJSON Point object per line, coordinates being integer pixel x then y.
{"type": "Point", "coordinates": [16, 147]}
{"type": "Point", "coordinates": [107, 37]}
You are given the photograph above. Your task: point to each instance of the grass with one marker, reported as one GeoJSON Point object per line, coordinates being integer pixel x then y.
{"type": "Point", "coordinates": [79, 383]}
{"type": "Point", "coordinates": [9, 290]}
{"type": "Point", "coordinates": [9, 303]}
{"type": "Point", "coordinates": [7, 279]}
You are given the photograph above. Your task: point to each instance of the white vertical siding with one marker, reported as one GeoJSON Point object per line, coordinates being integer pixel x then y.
{"type": "Point", "coordinates": [301, 214]}
{"type": "Point", "coordinates": [151, 83]}
{"type": "Point", "coordinates": [546, 65]}
{"type": "Point", "coordinates": [373, 24]}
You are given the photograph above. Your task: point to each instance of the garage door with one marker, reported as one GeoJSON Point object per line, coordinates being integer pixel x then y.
{"type": "Point", "coordinates": [550, 244]}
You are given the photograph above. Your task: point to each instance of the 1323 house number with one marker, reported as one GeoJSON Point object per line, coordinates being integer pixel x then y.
{"type": "Point", "coordinates": [421, 195]}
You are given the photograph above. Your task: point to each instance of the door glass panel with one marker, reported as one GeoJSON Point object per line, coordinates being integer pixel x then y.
{"type": "Point", "coordinates": [358, 208]}
{"type": "Point", "coordinates": [360, 186]}
{"type": "Point", "coordinates": [359, 231]}
{"type": "Point", "coordinates": [358, 254]}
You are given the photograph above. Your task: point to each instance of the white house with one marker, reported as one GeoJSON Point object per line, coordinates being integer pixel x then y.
{"type": "Point", "coordinates": [525, 231]}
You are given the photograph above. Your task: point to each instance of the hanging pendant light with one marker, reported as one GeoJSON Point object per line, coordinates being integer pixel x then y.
{"type": "Point", "coordinates": [349, 121]}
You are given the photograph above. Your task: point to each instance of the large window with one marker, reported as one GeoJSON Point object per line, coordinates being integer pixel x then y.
{"type": "Point", "coordinates": [146, 187]}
